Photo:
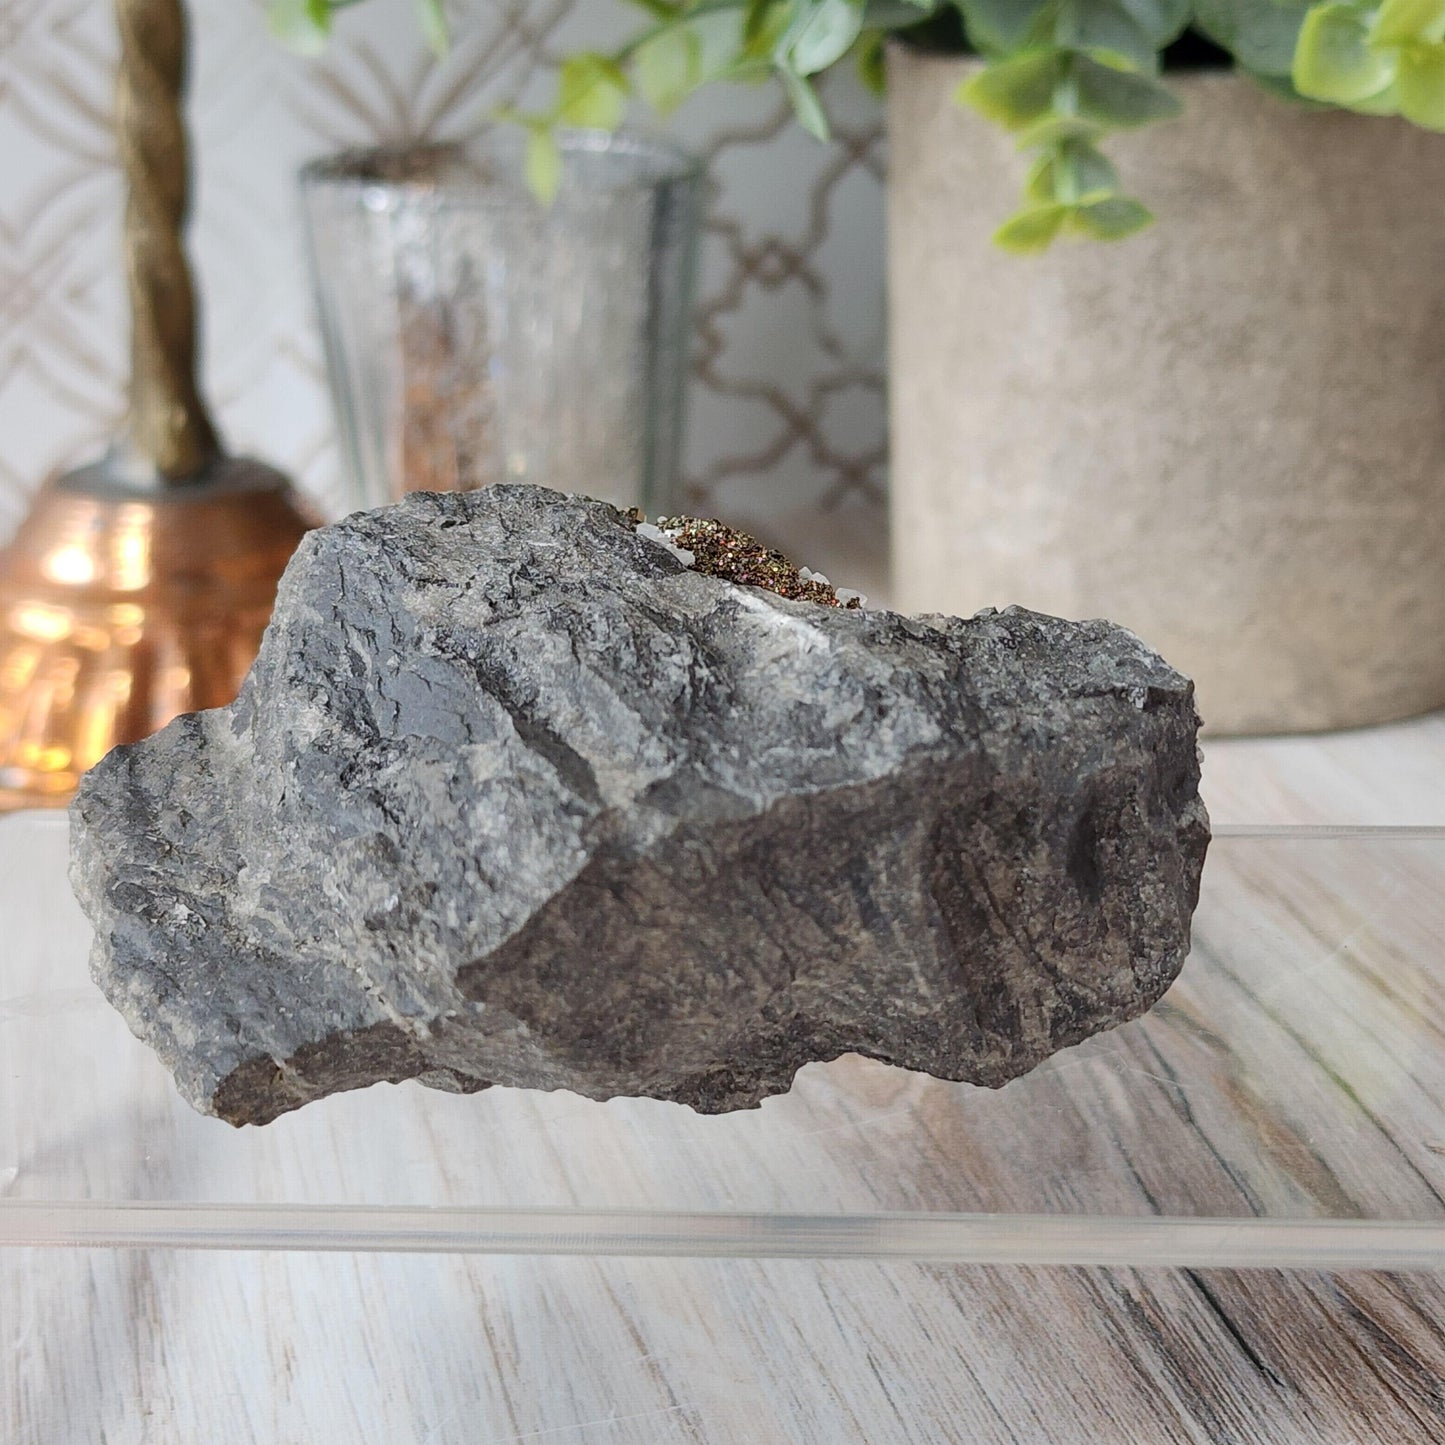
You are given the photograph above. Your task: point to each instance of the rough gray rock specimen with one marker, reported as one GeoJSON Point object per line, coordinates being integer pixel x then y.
{"type": "Point", "coordinates": [512, 797]}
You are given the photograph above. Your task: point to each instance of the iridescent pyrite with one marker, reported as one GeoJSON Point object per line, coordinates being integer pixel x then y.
{"type": "Point", "coordinates": [722, 551]}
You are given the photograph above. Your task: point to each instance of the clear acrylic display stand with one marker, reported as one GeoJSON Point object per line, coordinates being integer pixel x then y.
{"type": "Point", "coordinates": [1284, 1106]}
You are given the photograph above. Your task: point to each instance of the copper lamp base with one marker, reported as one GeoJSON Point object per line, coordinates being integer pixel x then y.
{"type": "Point", "coordinates": [123, 605]}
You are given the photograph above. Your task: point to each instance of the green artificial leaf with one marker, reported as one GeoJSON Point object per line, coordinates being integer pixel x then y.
{"type": "Point", "coordinates": [434, 25]}
{"type": "Point", "coordinates": [1119, 100]}
{"type": "Point", "coordinates": [896, 14]}
{"type": "Point", "coordinates": [745, 71]}
{"type": "Point", "coordinates": [1109, 33]}
{"type": "Point", "coordinates": [1039, 182]}
{"type": "Point", "coordinates": [1260, 34]}
{"type": "Point", "coordinates": [1074, 171]}
{"type": "Point", "coordinates": [1333, 60]}
{"type": "Point", "coordinates": [659, 9]}
{"type": "Point", "coordinates": [726, 55]}
{"type": "Point", "coordinates": [1387, 102]}
{"type": "Point", "coordinates": [1054, 129]}
{"type": "Point", "coordinates": [755, 20]}
{"type": "Point", "coordinates": [1110, 219]}
{"type": "Point", "coordinates": [998, 27]}
{"type": "Point", "coordinates": [872, 62]}
{"type": "Point", "coordinates": [1093, 170]}
{"type": "Point", "coordinates": [1283, 87]}
{"type": "Point", "coordinates": [1401, 21]}
{"type": "Point", "coordinates": [668, 68]}
{"type": "Point", "coordinates": [763, 22]}
{"type": "Point", "coordinates": [806, 105]}
{"type": "Point", "coordinates": [591, 92]}
{"type": "Point", "coordinates": [543, 164]}
{"type": "Point", "coordinates": [1016, 93]}
{"type": "Point", "coordinates": [1421, 84]}
{"type": "Point", "coordinates": [1164, 20]}
{"type": "Point", "coordinates": [304, 25]}
{"type": "Point", "coordinates": [1031, 229]}
{"type": "Point", "coordinates": [821, 32]}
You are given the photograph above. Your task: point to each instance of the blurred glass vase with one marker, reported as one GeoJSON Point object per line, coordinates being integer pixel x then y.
{"type": "Point", "coordinates": [475, 335]}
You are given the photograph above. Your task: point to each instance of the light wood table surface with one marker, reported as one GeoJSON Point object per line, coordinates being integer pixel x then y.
{"type": "Point", "coordinates": [162, 1348]}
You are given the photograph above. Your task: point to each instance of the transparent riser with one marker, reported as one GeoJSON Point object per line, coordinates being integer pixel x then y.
{"type": "Point", "coordinates": [1284, 1105]}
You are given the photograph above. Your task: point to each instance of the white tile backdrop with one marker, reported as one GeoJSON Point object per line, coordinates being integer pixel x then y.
{"type": "Point", "coordinates": [786, 405]}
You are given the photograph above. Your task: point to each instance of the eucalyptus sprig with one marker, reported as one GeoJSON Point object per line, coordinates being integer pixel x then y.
{"type": "Point", "coordinates": [1060, 75]}
{"type": "Point", "coordinates": [1384, 59]}
{"type": "Point", "coordinates": [1063, 75]}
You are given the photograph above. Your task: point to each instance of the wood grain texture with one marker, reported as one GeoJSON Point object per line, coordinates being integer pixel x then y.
{"type": "Point", "coordinates": [125, 1349]}
{"type": "Point", "coordinates": [156, 1347]}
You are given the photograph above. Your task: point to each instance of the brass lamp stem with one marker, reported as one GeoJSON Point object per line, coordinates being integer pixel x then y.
{"type": "Point", "coordinates": [124, 603]}
{"type": "Point", "coordinates": [169, 424]}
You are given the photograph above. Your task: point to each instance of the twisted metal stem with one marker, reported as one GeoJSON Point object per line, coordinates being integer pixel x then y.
{"type": "Point", "coordinates": [170, 426]}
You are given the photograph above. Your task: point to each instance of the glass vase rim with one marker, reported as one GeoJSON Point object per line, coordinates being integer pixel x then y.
{"type": "Point", "coordinates": [354, 170]}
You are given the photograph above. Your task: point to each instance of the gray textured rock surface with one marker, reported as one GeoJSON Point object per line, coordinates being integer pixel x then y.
{"type": "Point", "coordinates": [511, 796]}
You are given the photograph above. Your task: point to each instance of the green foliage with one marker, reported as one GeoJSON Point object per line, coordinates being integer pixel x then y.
{"type": "Point", "coordinates": [806, 105]}
{"type": "Point", "coordinates": [434, 24]}
{"type": "Point", "coordinates": [1061, 75]}
{"type": "Point", "coordinates": [818, 35]}
{"type": "Point", "coordinates": [304, 25]}
{"type": "Point", "coordinates": [668, 68]}
{"type": "Point", "coordinates": [1386, 59]}
{"type": "Point", "coordinates": [591, 93]}
{"type": "Point", "coordinates": [543, 162]}
{"type": "Point", "coordinates": [1334, 59]}
{"type": "Point", "coordinates": [1260, 34]}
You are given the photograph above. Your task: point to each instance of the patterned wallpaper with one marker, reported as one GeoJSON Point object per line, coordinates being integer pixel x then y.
{"type": "Point", "coordinates": [786, 407]}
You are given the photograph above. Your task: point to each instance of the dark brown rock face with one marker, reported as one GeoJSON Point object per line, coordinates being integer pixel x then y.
{"type": "Point", "coordinates": [511, 796]}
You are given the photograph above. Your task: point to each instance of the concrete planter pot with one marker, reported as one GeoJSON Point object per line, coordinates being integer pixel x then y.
{"type": "Point", "coordinates": [1227, 433]}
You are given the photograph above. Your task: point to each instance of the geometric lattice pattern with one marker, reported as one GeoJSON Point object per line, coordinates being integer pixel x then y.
{"type": "Point", "coordinates": [786, 406]}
